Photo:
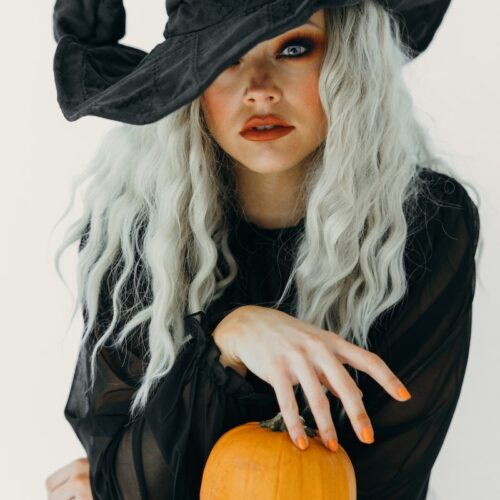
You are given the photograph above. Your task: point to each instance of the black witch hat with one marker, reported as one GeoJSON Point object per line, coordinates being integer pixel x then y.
{"type": "Point", "coordinates": [96, 75]}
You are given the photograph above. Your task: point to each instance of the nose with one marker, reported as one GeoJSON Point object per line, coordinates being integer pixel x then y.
{"type": "Point", "coordinates": [259, 73]}
{"type": "Point", "coordinates": [265, 93]}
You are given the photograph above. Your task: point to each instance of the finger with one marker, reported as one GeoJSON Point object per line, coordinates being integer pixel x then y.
{"type": "Point", "coordinates": [318, 402]}
{"type": "Point", "coordinates": [63, 474]}
{"type": "Point", "coordinates": [289, 408]}
{"type": "Point", "coordinates": [350, 395]}
{"type": "Point", "coordinates": [326, 383]}
{"type": "Point", "coordinates": [374, 366]}
{"type": "Point", "coordinates": [77, 487]}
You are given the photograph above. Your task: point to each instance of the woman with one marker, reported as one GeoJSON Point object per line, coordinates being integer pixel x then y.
{"type": "Point", "coordinates": [334, 255]}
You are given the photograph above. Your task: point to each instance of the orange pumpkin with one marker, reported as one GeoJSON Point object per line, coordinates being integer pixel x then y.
{"type": "Point", "coordinates": [258, 461]}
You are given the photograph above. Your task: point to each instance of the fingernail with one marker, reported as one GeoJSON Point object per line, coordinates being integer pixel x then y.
{"type": "Point", "coordinates": [403, 393]}
{"type": "Point", "coordinates": [302, 442]}
{"type": "Point", "coordinates": [367, 434]}
{"type": "Point", "coordinates": [333, 445]}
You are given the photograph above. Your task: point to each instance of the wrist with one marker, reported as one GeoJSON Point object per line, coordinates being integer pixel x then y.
{"type": "Point", "coordinates": [237, 366]}
{"type": "Point", "coordinates": [224, 337]}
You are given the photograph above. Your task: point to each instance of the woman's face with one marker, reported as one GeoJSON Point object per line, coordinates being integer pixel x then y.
{"type": "Point", "coordinates": [279, 77]}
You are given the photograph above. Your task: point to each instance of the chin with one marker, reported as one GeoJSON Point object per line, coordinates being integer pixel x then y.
{"type": "Point", "coordinates": [268, 167]}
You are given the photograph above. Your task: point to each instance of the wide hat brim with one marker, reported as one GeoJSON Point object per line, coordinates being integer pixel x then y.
{"type": "Point", "coordinates": [97, 76]}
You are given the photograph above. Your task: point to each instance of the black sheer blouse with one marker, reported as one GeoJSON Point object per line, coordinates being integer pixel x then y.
{"type": "Point", "coordinates": [424, 339]}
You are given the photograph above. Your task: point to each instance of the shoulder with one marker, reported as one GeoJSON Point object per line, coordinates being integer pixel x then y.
{"type": "Point", "coordinates": [444, 225]}
{"type": "Point", "coordinates": [446, 199]}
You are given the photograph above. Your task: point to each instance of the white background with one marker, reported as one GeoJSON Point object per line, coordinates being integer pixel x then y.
{"type": "Point", "coordinates": [455, 87]}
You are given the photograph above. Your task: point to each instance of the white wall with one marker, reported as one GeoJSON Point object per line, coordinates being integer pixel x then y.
{"type": "Point", "coordinates": [455, 86]}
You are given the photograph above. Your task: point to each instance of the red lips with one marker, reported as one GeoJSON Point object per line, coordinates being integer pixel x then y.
{"type": "Point", "coordinates": [266, 135]}
{"type": "Point", "coordinates": [259, 121]}
{"type": "Point", "coordinates": [281, 128]}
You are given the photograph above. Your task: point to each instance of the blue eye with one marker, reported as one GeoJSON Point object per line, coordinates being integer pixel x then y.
{"type": "Point", "coordinates": [307, 45]}
{"type": "Point", "coordinates": [295, 55]}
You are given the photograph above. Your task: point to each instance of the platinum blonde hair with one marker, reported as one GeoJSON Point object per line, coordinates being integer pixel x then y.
{"type": "Point", "coordinates": [169, 177]}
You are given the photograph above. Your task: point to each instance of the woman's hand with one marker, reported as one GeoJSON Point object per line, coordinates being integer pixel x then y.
{"type": "Point", "coordinates": [71, 481]}
{"type": "Point", "coordinates": [285, 351]}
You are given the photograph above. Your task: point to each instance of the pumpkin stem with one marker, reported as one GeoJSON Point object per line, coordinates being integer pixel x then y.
{"type": "Point", "coordinates": [277, 424]}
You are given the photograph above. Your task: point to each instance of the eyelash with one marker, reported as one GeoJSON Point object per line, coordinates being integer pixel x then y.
{"type": "Point", "coordinates": [304, 42]}
{"type": "Point", "coordinates": [307, 42]}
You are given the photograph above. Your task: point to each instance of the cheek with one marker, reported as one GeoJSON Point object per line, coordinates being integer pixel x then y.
{"type": "Point", "coordinates": [309, 108]}
{"type": "Point", "coordinates": [309, 96]}
{"type": "Point", "coordinates": [213, 104]}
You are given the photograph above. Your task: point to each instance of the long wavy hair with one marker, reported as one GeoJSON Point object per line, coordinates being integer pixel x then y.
{"type": "Point", "coordinates": [156, 196]}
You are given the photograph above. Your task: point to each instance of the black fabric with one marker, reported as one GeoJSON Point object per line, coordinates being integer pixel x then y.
{"type": "Point", "coordinates": [96, 75]}
{"type": "Point", "coordinates": [424, 339]}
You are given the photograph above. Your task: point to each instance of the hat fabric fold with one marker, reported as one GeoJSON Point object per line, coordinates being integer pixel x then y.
{"type": "Point", "coordinates": [91, 21]}
{"type": "Point", "coordinates": [96, 75]}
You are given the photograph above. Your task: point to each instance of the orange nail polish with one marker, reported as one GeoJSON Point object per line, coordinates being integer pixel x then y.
{"type": "Point", "coordinates": [367, 434]}
{"type": "Point", "coordinates": [403, 393]}
{"type": "Point", "coordinates": [302, 442]}
{"type": "Point", "coordinates": [333, 445]}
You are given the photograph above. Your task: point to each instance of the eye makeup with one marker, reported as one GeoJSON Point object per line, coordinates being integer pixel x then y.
{"type": "Point", "coordinates": [313, 43]}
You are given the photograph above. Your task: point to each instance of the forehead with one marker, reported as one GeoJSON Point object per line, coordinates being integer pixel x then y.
{"type": "Point", "coordinates": [317, 19]}
{"type": "Point", "coordinates": [316, 22]}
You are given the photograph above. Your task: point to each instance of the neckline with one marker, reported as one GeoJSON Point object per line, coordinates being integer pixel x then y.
{"type": "Point", "coordinates": [250, 231]}
{"type": "Point", "coordinates": [271, 230]}
{"type": "Point", "coordinates": [253, 234]}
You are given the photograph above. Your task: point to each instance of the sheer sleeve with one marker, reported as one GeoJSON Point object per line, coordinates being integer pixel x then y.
{"type": "Point", "coordinates": [161, 454]}
{"type": "Point", "coordinates": [425, 341]}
